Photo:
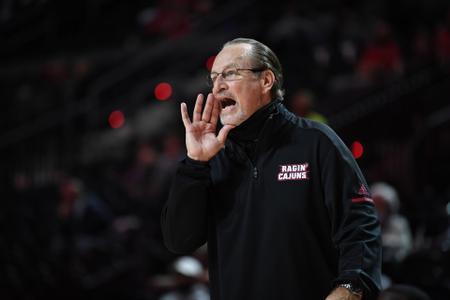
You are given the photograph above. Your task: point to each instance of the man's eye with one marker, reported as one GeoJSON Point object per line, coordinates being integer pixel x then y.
{"type": "Point", "coordinates": [229, 74]}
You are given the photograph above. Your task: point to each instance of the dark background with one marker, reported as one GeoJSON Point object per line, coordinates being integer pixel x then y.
{"type": "Point", "coordinates": [80, 199]}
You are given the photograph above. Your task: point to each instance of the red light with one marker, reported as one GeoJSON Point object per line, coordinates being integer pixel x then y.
{"type": "Point", "coordinates": [163, 91]}
{"type": "Point", "coordinates": [210, 62]}
{"type": "Point", "coordinates": [116, 119]}
{"type": "Point", "coordinates": [357, 149]}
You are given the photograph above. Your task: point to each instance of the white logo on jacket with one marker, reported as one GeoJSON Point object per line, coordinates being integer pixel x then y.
{"type": "Point", "coordinates": [293, 172]}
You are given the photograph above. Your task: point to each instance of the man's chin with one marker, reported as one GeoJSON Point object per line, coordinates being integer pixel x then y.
{"type": "Point", "coordinates": [233, 119]}
{"type": "Point", "coordinates": [234, 124]}
{"type": "Point", "coordinates": [228, 120]}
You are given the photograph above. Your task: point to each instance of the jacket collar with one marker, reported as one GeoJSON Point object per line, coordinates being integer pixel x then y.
{"type": "Point", "coordinates": [251, 128]}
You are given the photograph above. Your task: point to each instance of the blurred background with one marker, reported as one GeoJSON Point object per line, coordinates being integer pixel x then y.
{"type": "Point", "coordinates": [90, 130]}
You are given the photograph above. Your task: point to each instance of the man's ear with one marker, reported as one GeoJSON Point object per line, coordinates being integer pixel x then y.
{"type": "Point", "coordinates": [267, 80]}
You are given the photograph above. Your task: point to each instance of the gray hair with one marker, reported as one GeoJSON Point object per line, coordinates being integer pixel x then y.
{"type": "Point", "coordinates": [264, 57]}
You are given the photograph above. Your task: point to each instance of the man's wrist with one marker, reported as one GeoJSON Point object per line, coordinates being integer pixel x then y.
{"type": "Point", "coordinates": [353, 288]}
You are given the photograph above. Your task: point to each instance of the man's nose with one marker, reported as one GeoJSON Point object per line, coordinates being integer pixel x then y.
{"type": "Point", "coordinates": [219, 85]}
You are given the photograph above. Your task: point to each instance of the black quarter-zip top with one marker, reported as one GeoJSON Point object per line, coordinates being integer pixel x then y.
{"type": "Point", "coordinates": [284, 208]}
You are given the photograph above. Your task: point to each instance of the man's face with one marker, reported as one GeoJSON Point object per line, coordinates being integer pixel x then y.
{"type": "Point", "coordinates": [242, 93]}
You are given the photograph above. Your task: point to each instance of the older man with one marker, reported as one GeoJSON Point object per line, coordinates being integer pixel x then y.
{"type": "Point", "coordinates": [280, 200]}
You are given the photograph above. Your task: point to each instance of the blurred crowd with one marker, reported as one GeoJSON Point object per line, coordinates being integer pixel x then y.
{"type": "Point", "coordinates": [78, 228]}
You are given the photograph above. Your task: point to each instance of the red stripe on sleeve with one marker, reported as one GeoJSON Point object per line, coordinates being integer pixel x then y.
{"type": "Point", "coordinates": [362, 199]}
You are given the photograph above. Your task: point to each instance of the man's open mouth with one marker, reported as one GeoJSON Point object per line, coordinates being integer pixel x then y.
{"type": "Point", "coordinates": [227, 102]}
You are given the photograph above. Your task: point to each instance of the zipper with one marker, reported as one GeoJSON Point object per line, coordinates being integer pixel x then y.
{"type": "Point", "coordinates": [255, 172]}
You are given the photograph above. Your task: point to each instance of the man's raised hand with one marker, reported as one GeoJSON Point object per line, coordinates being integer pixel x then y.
{"type": "Point", "coordinates": [202, 143]}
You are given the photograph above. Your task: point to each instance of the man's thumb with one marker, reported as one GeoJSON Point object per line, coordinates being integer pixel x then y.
{"type": "Point", "coordinates": [223, 133]}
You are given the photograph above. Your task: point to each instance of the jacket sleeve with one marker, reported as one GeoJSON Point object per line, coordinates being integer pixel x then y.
{"type": "Point", "coordinates": [355, 226]}
{"type": "Point", "coordinates": [184, 216]}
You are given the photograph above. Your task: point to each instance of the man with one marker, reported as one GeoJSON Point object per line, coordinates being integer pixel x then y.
{"type": "Point", "coordinates": [282, 204]}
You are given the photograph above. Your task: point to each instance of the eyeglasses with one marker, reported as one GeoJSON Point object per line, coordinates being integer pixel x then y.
{"type": "Point", "coordinates": [230, 74]}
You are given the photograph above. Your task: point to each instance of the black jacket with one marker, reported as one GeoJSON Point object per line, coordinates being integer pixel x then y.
{"type": "Point", "coordinates": [284, 208]}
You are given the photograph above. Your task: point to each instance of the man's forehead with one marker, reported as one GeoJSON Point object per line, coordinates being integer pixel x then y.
{"type": "Point", "coordinates": [231, 56]}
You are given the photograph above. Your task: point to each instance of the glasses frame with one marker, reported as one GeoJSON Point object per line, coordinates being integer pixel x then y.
{"type": "Point", "coordinates": [210, 81]}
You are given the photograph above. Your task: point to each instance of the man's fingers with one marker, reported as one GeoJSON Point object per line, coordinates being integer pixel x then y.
{"type": "Point", "coordinates": [185, 115]}
{"type": "Point", "coordinates": [208, 108]}
{"type": "Point", "coordinates": [223, 133]}
{"type": "Point", "coordinates": [215, 112]}
{"type": "Point", "coordinates": [198, 108]}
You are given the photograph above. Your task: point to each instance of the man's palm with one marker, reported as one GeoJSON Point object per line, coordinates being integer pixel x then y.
{"type": "Point", "coordinates": [202, 143]}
